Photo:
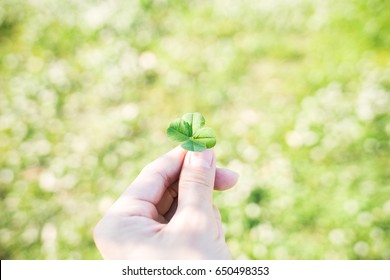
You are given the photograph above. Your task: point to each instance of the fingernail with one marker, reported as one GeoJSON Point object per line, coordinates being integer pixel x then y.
{"type": "Point", "coordinates": [202, 159]}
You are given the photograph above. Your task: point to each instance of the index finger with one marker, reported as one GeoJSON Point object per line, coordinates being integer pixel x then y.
{"type": "Point", "coordinates": [157, 176]}
{"type": "Point", "coordinates": [148, 188]}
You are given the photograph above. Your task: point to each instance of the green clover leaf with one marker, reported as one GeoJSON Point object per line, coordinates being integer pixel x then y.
{"type": "Point", "coordinates": [190, 130]}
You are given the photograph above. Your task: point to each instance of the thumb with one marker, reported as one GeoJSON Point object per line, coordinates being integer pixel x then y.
{"type": "Point", "coordinates": [196, 182]}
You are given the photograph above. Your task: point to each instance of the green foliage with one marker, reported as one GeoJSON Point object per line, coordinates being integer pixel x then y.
{"type": "Point", "coordinates": [298, 93]}
{"type": "Point", "coordinates": [191, 131]}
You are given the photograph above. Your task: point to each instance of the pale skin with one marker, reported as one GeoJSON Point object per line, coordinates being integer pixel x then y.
{"type": "Point", "coordinates": [167, 212]}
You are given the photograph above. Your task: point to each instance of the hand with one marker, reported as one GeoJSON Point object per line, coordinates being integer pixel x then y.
{"type": "Point", "coordinates": [167, 212]}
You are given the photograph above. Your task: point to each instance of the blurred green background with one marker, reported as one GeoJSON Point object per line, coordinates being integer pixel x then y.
{"type": "Point", "coordinates": [298, 92]}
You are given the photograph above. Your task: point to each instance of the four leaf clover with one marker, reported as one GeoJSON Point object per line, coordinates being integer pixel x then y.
{"type": "Point", "coordinates": [190, 130]}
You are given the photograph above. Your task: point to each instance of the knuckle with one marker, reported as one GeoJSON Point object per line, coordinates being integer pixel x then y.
{"type": "Point", "coordinates": [196, 179]}
{"type": "Point", "coordinates": [152, 169]}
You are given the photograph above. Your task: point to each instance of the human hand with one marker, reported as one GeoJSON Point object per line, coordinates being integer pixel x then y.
{"type": "Point", "coordinates": [167, 212]}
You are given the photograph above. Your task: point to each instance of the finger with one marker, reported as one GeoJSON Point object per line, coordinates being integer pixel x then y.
{"type": "Point", "coordinates": [167, 199]}
{"type": "Point", "coordinates": [157, 176]}
{"type": "Point", "coordinates": [225, 179]}
{"type": "Point", "coordinates": [148, 188]}
{"type": "Point", "coordinates": [168, 216]}
{"type": "Point", "coordinates": [196, 185]}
